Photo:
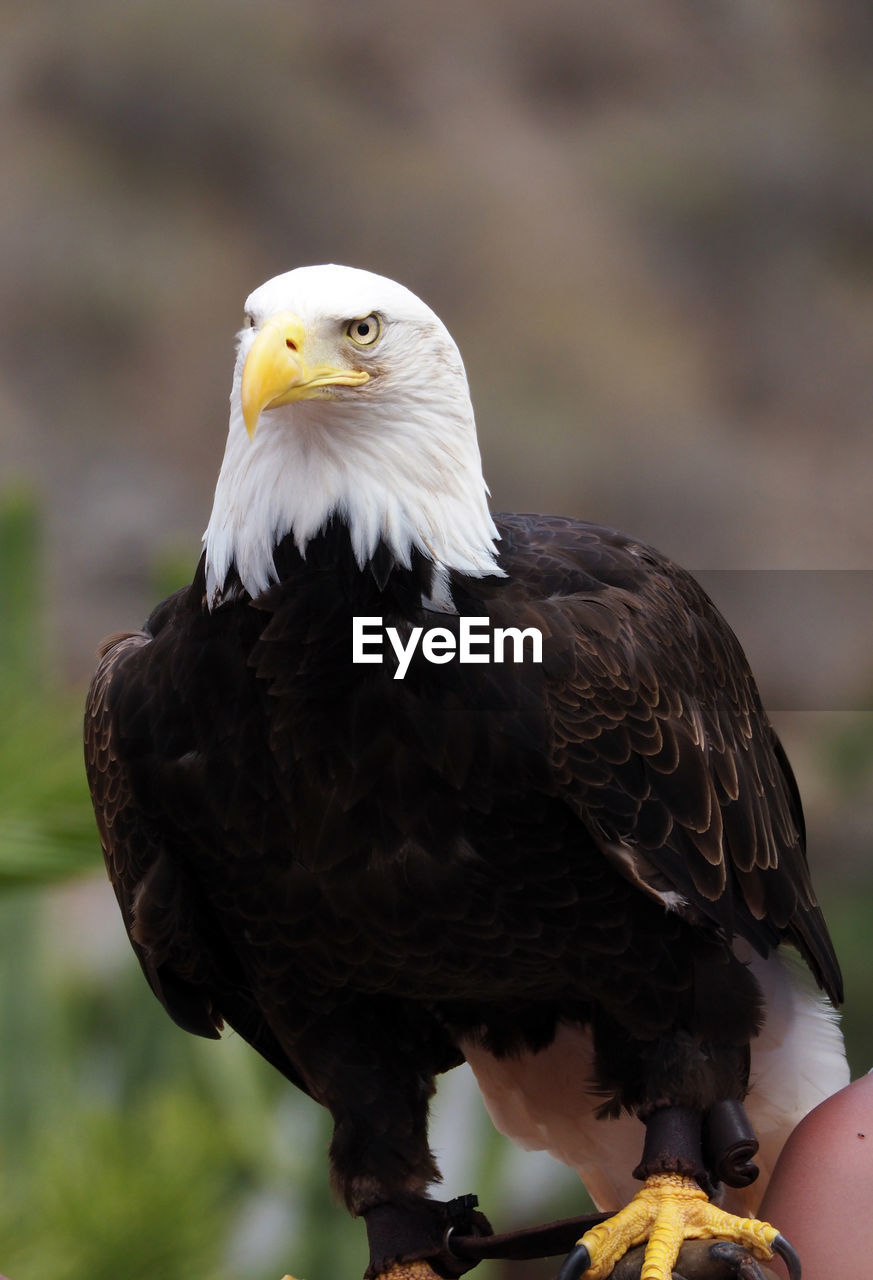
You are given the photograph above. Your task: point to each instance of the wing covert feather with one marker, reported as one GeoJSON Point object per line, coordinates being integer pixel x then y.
{"type": "Point", "coordinates": [659, 739]}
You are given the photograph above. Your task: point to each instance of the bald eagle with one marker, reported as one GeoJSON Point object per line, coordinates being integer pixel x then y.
{"type": "Point", "coordinates": [576, 867]}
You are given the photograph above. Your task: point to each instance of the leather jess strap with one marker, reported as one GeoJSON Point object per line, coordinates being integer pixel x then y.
{"type": "Point", "coordinates": [551, 1240]}
{"type": "Point", "coordinates": [453, 1236]}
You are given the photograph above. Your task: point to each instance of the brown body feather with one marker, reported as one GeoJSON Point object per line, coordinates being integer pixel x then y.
{"type": "Point", "coordinates": [356, 871]}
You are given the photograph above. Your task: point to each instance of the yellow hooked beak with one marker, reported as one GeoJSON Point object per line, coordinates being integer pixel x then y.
{"type": "Point", "coordinates": [276, 371]}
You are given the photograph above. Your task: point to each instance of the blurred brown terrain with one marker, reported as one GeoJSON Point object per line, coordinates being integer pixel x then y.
{"type": "Point", "coordinates": [649, 228]}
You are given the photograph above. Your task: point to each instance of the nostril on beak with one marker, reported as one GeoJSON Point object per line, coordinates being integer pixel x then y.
{"type": "Point", "coordinates": [290, 344]}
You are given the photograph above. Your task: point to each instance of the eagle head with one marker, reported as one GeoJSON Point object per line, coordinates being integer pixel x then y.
{"type": "Point", "coordinates": [349, 402]}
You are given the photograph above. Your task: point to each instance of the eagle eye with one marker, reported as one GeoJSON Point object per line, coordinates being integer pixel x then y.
{"type": "Point", "coordinates": [249, 320]}
{"type": "Point", "coordinates": [364, 333]}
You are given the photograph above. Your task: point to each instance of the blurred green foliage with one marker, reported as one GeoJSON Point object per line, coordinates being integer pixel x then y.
{"type": "Point", "coordinates": [46, 829]}
{"type": "Point", "coordinates": [127, 1148]}
{"type": "Point", "coordinates": [848, 915]}
{"type": "Point", "coordinates": [850, 756]}
{"type": "Point", "coordinates": [847, 897]}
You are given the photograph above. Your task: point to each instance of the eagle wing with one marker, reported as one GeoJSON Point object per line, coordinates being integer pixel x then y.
{"type": "Point", "coordinates": [659, 741]}
{"type": "Point", "coordinates": [190, 964]}
{"type": "Point", "coordinates": [146, 882]}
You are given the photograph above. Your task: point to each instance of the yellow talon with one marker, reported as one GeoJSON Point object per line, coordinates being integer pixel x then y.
{"type": "Point", "coordinates": [410, 1271]}
{"type": "Point", "coordinates": [668, 1210]}
{"type": "Point", "coordinates": [399, 1271]}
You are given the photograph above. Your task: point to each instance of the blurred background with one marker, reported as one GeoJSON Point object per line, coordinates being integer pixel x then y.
{"type": "Point", "coordinates": [650, 229]}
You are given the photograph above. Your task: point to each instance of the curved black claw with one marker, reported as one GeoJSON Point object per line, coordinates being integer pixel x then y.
{"type": "Point", "coordinates": [788, 1256]}
{"type": "Point", "coordinates": [741, 1263]}
{"type": "Point", "coordinates": [577, 1262]}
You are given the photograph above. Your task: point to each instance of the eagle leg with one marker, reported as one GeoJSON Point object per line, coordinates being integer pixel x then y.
{"type": "Point", "coordinates": [373, 1066]}
{"type": "Point", "coordinates": [670, 1208]}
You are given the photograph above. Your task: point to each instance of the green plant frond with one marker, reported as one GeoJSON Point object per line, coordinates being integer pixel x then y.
{"type": "Point", "coordinates": [47, 829]}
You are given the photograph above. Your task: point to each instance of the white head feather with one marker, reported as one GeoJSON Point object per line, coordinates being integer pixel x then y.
{"type": "Point", "coordinates": [396, 458]}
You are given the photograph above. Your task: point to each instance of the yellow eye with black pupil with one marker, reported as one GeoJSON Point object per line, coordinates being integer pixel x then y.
{"type": "Point", "coordinates": [364, 332]}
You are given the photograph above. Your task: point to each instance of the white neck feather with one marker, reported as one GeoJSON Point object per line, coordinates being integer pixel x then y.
{"type": "Point", "coordinates": [401, 465]}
